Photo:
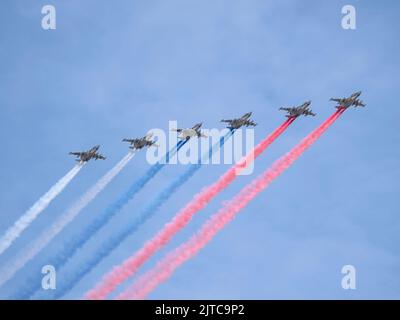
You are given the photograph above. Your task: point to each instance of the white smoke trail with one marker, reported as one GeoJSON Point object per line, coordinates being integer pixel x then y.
{"type": "Point", "coordinates": [27, 218]}
{"type": "Point", "coordinates": [32, 250]}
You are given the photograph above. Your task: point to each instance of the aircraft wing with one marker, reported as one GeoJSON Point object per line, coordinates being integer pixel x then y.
{"type": "Point", "coordinates": [359, 103]}
{"type": "Point", "coordinates": [154, 144]}
{"type": "Point", "coordinates": [148, 136]}
{"type": "Point", "coordinates": [99, 156]}
{"type": "Point", "coordinates": [196, 126]}
{"type": "Point", "coordinates": [77, 153]}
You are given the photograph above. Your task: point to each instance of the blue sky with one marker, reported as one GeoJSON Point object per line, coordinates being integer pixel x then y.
{"type": "Point", "coordinates": [115, 70]}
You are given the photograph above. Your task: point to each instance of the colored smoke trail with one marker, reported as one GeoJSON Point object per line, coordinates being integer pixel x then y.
{"type": "Point", "coordinates": [29, 216]}
{"type": "Point", "coordinates": [165, 268]}
{"type": "Point", "coordinates": [71, 247]}
{"type": "Point", "coordinates": [108, 245]}
{"type": "Point", "coordinates": [44, 239]}
{"type": "Point", "coordinates": [122, 272]}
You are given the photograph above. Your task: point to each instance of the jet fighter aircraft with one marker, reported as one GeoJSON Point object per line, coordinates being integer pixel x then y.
{"type": "Point", "coordinates": [350, 101]}
{"type": "Point", "coordinates": [139, 143]}
{"type": "Point", "coordinates": [186, 134]}
{"type": "Point", "coordinates": [85, 156]}
{"type": "Point", "coordinates": [240, 122]}
{"type": "Point", "coordinates": [303, 109]}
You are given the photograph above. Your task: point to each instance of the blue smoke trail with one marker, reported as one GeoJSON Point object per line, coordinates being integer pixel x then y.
{"type": "Point", "coordinates": [106, 247]}
{"type": "Point", "coordinates": [72, 246]}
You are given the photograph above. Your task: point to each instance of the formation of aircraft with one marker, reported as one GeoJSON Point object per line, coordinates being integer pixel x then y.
{"type": "Point", "coordinates": [186, 134]}
{"type": "Point", "coordinates": [243, 121]}
{"type": "Point", "coordinates": [302, 110]}
{"type": "Point", "coordinates": [240, 122]}
{"type": "Point", "coordinates": [85, 156]}
{"type": "Point", "coordinates": [139, 143]}
{"type": "Point", "coordinates": [350, 101]}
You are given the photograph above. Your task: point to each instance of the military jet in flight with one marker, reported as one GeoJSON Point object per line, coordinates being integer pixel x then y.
{"type": "Point", "coordinates": [303, 109]}
{"type": "Point", "coordinates": [85, 156]}
{"type": "Point", "coordinates": [240, 122]}
{"type": "Point", "coordinates": [350, 101]}
{"type": "Point", "coordinates": [140, 143]}
{"type": "Point", "coordinates": [186, 134]}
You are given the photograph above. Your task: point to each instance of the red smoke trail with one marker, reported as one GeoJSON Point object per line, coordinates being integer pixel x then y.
{"type": "Point", "coordinates": [122, 272]}
{"type": "Point", "coordinates": [164, 269]}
